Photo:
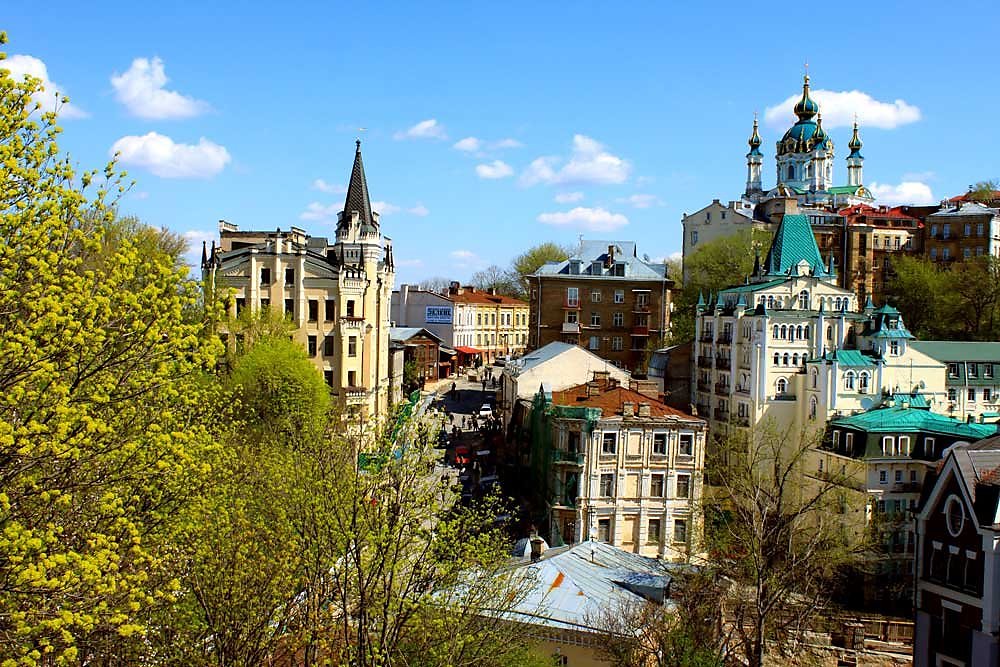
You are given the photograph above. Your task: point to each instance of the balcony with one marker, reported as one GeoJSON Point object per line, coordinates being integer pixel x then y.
{"type": "Point", "coordinates": [723, 363]}
{"type": "Point", "coordinates": [640, 330]}
{"type": "Point", "coordinates": [721, 415]}
{"type": "Point", "coordinates": [568, 458]}
{"type": "Point", "coordinates": [743, 390]}
{"type": "Point", "coordinates": [783, 397]}
{"type": "Point", "coordinates": [571, 327]}
{"type": "Point", "coordinates": [355, 395]}
{"type": "Point", "coordinates": [722, 388]}
{"type": "Point", "coordinates": [573, 304]}
{"type": "Point", "coordinates": [704, 362]}
{"type": "Point", "coordinates": [640, 308]}
{"type": "Point", "coordinates": [725, 338]}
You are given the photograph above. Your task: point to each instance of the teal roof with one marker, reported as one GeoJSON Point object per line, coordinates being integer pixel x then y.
{"type": "Point", "coordinates": [898, 418]}
{"type": "Point", "coordinates": [886, 309]}
{"type": "Point", "coordinates": [915, 400]}
{"type": "Point", "coordinates": [950, 350]}
{"type": "Point", "coordinates": [753, 287]}
{"type": "Point", "coordinates": [793, 242]}
{"type": "Point", "coordinates": [843, 189]}
{"type": "Point", "coordinates": [849, 358]}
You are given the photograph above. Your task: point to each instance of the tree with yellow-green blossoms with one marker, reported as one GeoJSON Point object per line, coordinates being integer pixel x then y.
{"type": "Point", "coordinates": [102, 402]}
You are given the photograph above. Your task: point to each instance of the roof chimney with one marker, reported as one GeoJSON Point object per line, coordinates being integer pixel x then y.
{"type": "Point", "coordinates": [643, 410]}
{"type": "Point", "coordinates": [628, 409]}
{"type": "Point", "coordinates": [611, 256]}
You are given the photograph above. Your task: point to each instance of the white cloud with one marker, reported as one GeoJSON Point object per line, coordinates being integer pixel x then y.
{"type": "Point", "coordinates": [589, 219]}
{"type": "Point", "coordinates": [329, 188]}
{"type": "Point", "coordinates": [493, 170]}
{"type": "Point", "coordinates": [919, 176]}
{"type": "Point", "coordinates": [469, 144]}
{"type": "Point", "coordinates": [588, 163]}
{"type": "Point", "coordinates": [838, 109]}
{"type": "Point", "coordinates": [413, 263]}
{"type": "Point", "coordinates": [141, 90]}
{"type": "Point", "coordinates": [463, 254]}
{"type": "Point", "coordinates": [419, 210]}
{"type": "Point", "coordinates": [318, 211]}
{"type": "Point", "coordinates": [166, 159]}
{"type": "Point", "coordinates": [642, 201]}
{"type": "Point", "coordinates": [142, 194]}
{"type": "Point", "coordinates": [506, 143]}
{"type": "Point", "coordinates": [425, 129]}
{"type": "Point", "coordinates": [568, 197]}
{"type": "Point", "coordinates": [49, 98]}
{"type": "Point", "coordinates": [675, 256]}
{"type": "Point", "coordinates": [907, 192]}
{"type": "Point", "coordinates": [385, 208]}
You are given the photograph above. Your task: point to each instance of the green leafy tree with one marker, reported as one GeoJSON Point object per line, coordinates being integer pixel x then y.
{"type": "Point", "coordinates": [495, 278]}
{"type": "Point", "coordinates": [985, 191]}
{"type": "Point", "coordinates": [533, 259]}
{"type": "Point", "coordinates": [101, 402]}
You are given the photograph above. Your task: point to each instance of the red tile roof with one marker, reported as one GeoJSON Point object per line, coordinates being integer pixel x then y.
{"type": "Point", "coordinates": [611, 399]}
{"type": "Point", "coordinates": [469, 295]}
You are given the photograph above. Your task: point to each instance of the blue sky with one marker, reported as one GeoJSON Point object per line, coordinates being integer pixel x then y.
{"type": "Point", "coordinates": [596, 119]}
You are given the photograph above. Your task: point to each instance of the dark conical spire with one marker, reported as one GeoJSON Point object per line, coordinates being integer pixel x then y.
{"type": "Point", "coordinates": [754, 140]}
{"type": "Point", "coordinates": [357, 193]}
{"type": "Point", "coordinates": [204, 253]}
{"type": "Point", "coordinates": [806, 108]}
{"type": "Point", "coordinates": [756, 264]}
{"type": "Point", "coordinates": [855, 143]}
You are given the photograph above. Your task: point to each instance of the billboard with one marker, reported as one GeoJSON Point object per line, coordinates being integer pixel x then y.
{"type": "Point", "coordinates": [438, 315]}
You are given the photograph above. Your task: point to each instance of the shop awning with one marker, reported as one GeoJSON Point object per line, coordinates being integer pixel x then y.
{"type": "Point", "coordinates": [468, 350]}
{"type": "Point", "coordinates": [450, 351]}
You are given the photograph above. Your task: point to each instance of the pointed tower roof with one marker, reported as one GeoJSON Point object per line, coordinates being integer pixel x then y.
{"type": "Point", "coordinates": [855, 143]}
{"type": "Point", "coordinates": [701, 300]}
{"type": "Point", "coordinates": [357, 194]}
{"type": "Point", "coordinates": [754, 140]}
{"type": "Point", "coordinates": [204, 253]}
{"type": "Point", "coordinates": [793, 242]}
{"type": "Point", "coordinates": [806, 108]}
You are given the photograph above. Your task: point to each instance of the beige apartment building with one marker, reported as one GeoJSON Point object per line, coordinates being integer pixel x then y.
{"type": "Point", "coordinates": [337, 295]}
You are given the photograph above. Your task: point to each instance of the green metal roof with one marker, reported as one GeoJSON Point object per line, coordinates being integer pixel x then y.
{"type": "Point", "coordinates": [899, 419]}
{"type": "Point", "coordinates": [843, 189]}
{"type": "Point", "coordinates": [753, 287]}
{"type": "Point", "coordinates": [793, 242]}
{"type": "Point", "coordinates": [950, 350]}
{"type": "Point", "coordinates": [849, 358]}
{"type": "Point", "coordinates": [915, 400]}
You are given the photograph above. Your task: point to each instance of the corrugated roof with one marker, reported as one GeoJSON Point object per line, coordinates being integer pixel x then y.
{"type": "Point", "coordinates": [850, 358]}
{"type": "Point", "coordinates": [611, 399]}
{"type": "Point", "coordinates": [597, 251]}
{"type": "Point", "coordinates": [966, 208]}
{"type": "Point", "coordinates": [951, 350]}
{"type": "Point", "coordinates": [570, 588]}
{"type": "Point", "coordinates": [402, 334]}
{"type": "Point", "coordinates": [793, 242]}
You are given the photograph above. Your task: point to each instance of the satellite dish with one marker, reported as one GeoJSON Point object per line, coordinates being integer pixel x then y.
{"type": "Point", "coordinates": [645, 257]}
{"type": "Point", "coordinates": [922, 384]}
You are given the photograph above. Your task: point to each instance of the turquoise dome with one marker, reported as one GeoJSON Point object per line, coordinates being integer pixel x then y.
{"type": "Point", "coordinates": [806, 108]}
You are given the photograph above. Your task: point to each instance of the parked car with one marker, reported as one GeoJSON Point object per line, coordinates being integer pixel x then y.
{"type": "Point", "coordinates": [463, 455]}
{"type": "Point", "coordinates": [485, 411]}
{"type": "Point", "coordinates": [500, 361]}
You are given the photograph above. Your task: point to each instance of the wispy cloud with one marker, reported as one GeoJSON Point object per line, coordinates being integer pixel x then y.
{"type": "Point", "coordinates": [589, 162]}
{"type": "Point", "coordinates": [194, 239]}
{"type": "Point", "coordinates": [568, 197]}
{"type": "Point", "coordinates": [161, 156]}
{"type": "Point", "coordinates": [411, 263]}
{"type": "Point", "coordinates": [385, 208]}
{"type": "Point", "coordinates": [425, 129]}
{"type": "Point", "coordinates": [494, 170]}
{"type": "Point", "coordinates": [481, 146]}
{"type": "Point", "coordinates": [838, 109]}
{"type": "Point", "coordinates": [329, 188]}
{"type": "Point", "coordinates": [641, 201]}
{"type": "Point", "coordinates": [588, 219]}
{"type": "Point", "coordinates": [419, 210]}
{"type": "Point", "coordinates": [464, 260]}
{"type": "Point", "coordinates": [49, 98]}
{"type": "Point", "coordinates": [141, 90]}
{"type": "Point", "coordinates": [318, 212]}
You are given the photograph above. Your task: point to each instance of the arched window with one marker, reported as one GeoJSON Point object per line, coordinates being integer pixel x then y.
{"type": "Point", "coordinates": [805, 332]}
{"type": "Point", "coordinates": [863, 383]}
{"type": "Point", "coordinates": [815, 378]}
{"type": "Point", "coordinates": [798, 332]}
{"type": "Point", "coordinates": [804, 299]}
{"type": "Point", "coordinates": [795, 360]}
{"type": "Point", "coordinates": [849, 380]}
{"type": "Point", "coordinates": [775, 330]}
{"type": "Point", "coordinates": [784, 332]}
{"type": "Point", "coordinates": [770, 302]}
{"type": "Point", "coordinates": [776, 358]}
{"type": "Point", "coordinates": [829, 332]}
{"type": "Point", "coordinates": [782, 385]}
{"type": "Point", "coordinates": [785, 359]}
{"type": "Point", "coordinates": [813, 404]}
{"type": "Point", "coordinates": [837, 304]}
{"type": "Point", "coordinates": [791, 172]}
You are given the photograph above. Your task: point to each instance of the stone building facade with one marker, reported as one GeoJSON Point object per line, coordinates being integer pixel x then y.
{"type": "Point", "coordinates": [337, 295]}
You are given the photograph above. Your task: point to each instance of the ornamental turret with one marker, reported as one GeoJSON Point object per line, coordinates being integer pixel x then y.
{"type": "Point", "coordinates": [855, 161]}
{"type": "Point", "coordinates": [755, 161]}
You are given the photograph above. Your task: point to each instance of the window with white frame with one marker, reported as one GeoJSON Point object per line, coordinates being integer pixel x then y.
{"type": "Point", "coordinates": [686, 444]}
{"type": "Point", "coordinates": [930, 448]}
{"type": "Point", "coordinates": [572, 296]}
{"type": "Point", "coordinates": [595, 343]}
{"type": "Point", "coordinates": [683, 486]}
{"type": "Point", "coordinates": [619, 296]}
{"type": "Point", "coordinates": [660, 444]}
{"type": "Point", "coordinates": [804, 299]}
{"type": "Point", "coordinates": [607, 484]}
{"type": "Point", "coordinates": [904, 445]}
{"type": "Point", "coordinates": [616, 343]}
{"type": "Point", "coordinates": [595, 296]}
{"type": "Point", "coordinates": [863, 383]}
{"type": "Point", "coordinates": [888, 443]}
{"type": "Point", "coordinates": [883, 477]}
{"type": "Point", "coordinates": [849, 380]}
{"type": "Point", "coordinates": [595, 319]}
{"type": "Point", "coordinates": [618, 318]}
{"type": "Point", "coordinates": [656, 486]}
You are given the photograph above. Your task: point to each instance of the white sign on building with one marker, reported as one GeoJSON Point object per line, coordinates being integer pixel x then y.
{"type": "Point", "coordinates": [438, 315]}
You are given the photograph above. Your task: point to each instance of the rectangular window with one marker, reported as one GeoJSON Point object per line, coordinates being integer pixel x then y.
{"type": "Point", "coordinates": [328, 377]}
{"type": "Point", "coordinates": [898, 476]}
{"type": "Point", "coordinates": [607, 484]}
{"type": "Point", "coordinates": [290, 307]}
{"type": "Point", "coordinates": [619, 296]}
{"type": "Point", "coordinates": [352, 378]}
{"type": "Point", "coordinates": [265, 276]}
{"type": "Point", "coordinates": [929, 447]}
{"type": "Point", "coordinates": [973, 370]}
{"type": "Point", "coordinates": [265, 304]}
{"type": "Point", "coordinates": [313, 310]}
{"type": "Point", "coordinates": [240, 305]}
{"type": "Point", "coordinates": [352, 346]}
{"type": "Point", "coordinates": [887, 445]}
{"type": "Point", "coordinates": [618, 319]}
{"type": "Point", "coordinates": [289, 276]}
{"type": "Point", "coordinates": [979, 229]}
{"type": "Point", "coordinates": [311, 344]}
{"type": "Point", "coordinates": [350, 307]}
{"type": "Point", "coordinates": [883, 477]}
{"type": "Point", "coordinates": [987, 395]}
{"type": "Point", "coordinates": [328, 343]}
{"type": "Point", "coordinates": [616, 343]}
{"type": "Point", "coordinates": [686, 446]}
{"type": "Point", "coordinates": [952, 394]}
{"type": "Point", "coordinates": [904, 445]}
{"type": "Point", "coordinates": [609, 443]}
{"type": "Point", "coordinates": [946, 253]}
{"type": "Point", "coordinates": [479, 319]}
{"type": "Point", "coordinates": [604, 530]}
{"type": "Point", "coordinates": [953, 370]}
{"type": "Point", "coordinates": [653, 533]}
{"type": "Point", "coordinates": [595, 343]}
{"type": "Point", "coordinates": [913, 477]}
{"type": "Point", "coordinates": [595, 296]}
{"type": "Point", "coordinates": [836, 439]}
{"type": "Point", "coordinates": [968, 229]}
{"type": "Point", "coordinates": [572, 296]}
{"type": "Point", "coordinates": [680, 530]}
{"type": "Point", "coordinates": [572, 316]}
{"type": "Point", "coordinates": [849, 443]}
{"type": "Point", "coordinates": [660, 444]}
{"type": "Point", "coordinates": [595, 319]}
{"type": "Point", "coordinates": [894, 348]}
{"type": "Point", "coordinates": [987, 370]}
{"type": "Point", "coordinates": [946, 230]}
{"type": "Point", "coordinates": [972, 394]}
{"type": "Point", "coordinates": [683, 486]}
{"type": "Point", "coordinates": [656, 486]}
{"type": "Point", "coordinates": [331, 310]}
